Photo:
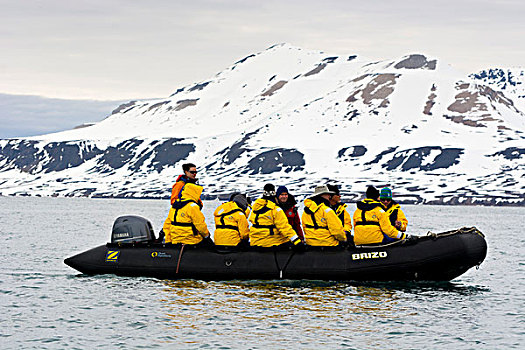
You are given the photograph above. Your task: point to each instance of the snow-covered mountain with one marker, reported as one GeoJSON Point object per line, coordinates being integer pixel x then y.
{"type": "Point", "coordinates": [299, 118]}
{"type": "Point", "coordinates": [510, 80]}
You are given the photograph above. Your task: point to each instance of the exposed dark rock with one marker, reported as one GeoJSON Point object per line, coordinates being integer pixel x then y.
{"type": "Point", "coordinates": [274, 88]}
{"type": "Point", "coordinates": [185, 103]}
{"type": "Point", "coordinates": [157, 105]}
{"type": "Point", "coordinates": [169, 153]}
{"type": "Point", "coordinates": [330, 59]}
{"type": "Point", "coordinates": [245, 58]}
{"type": "Point", "coordinates": [316, 70]}
{"type": "Point", "coordinates": [199, 87]}
{"type": "Point", "coordinates": [231, 154]}
{"type": "Point", "coordinates": [510, 153]}
{"type": "Point", "coordinates": [500, 77]}
{"type": "Point", "coordinates": [65, 155]}
{"type": "Point", "coordinates": [55, 156]}
{"type": "Point", "coordinates": [353, 151]}
{"type": "Point", "coordinates": [85, 125]}
{"type": "Point", "coordinates": [20, 154]}
{"type": "Point", "coordinates": [82, 192]}
{"type": "Point", "coordinates": [176, 92]}
{"type": "Point", "coordinates": [380, 155]}
{"type": "Point", "coordinates": [276, 160]}
{"type": "Point", "coordinates": [352, 114]}
{"type": "Point", "coordinates": [352, 57]}
{"type": "Point", "coordinates": [467, 101]}
{"type": "Point", "coordinates": [379, 88]}
{"type": "Point", "coordinates": [416, 62]}
{"type": "Point", "coordinates": [116, 157]}
{"type": "Point", "coordinates": [409, 128]}
{"type": "Point", "coordinates": [430, 103]}
{"type": "Point", "coordinates": [413, 159]}
{"type": "Point", "coordinates": [496, 96]}
{"type": "Point", "coordinates": [123, 107]}
{"type": "Point", "coordinates": [135, 166]}
{"type": "Point", "coordinates": [462, 120]}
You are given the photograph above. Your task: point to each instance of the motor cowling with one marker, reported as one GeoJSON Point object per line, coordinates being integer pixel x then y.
{"type": "Point", "coordinates": [132, 229]}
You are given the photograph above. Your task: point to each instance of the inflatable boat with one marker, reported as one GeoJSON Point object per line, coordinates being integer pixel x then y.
{"type": "Point", "coordinates": [133, 251]}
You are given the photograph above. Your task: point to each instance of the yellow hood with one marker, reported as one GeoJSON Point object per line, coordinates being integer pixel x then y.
{"type": "Point", "coordinates": [259, 203]}
{"type": "Point", "coordinates": [310, 204]}
{"type": "Point", "coordinates": [191, 191]}
{"type": "Point", "coordinates": [224, 208]}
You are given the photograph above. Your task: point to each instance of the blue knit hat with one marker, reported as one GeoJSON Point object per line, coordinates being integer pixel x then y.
{"type": "Point", "coordinates": [280, 190]}
{"type": "Point", "coordinates": [385, 193]}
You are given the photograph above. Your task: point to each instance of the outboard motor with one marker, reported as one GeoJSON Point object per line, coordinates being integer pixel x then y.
{"type": "Point", "coordinates": [132, 229]}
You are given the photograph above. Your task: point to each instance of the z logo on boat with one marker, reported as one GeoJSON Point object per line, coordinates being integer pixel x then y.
{"type": "Point", "coordinates": [371, 255]}
{"type": "Point", "coordinates": [112, 255]}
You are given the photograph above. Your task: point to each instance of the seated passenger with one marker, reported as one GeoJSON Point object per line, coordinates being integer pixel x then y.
{"type": "Point", "coordinates": [231, 225]}
{"type": "Point", "coordinates": [185, 222]}
{"type": "Point", "coordinates": [371, 224]}
{"type": "Point", "coordinates": [393, 210]}
{"type": "Point", "coordinates": [287, 202]}
{"type": "Point", "coordinates": [270, 227]}
{"type": "Point", "coordinates": [189, 176]}
{"type": "Point", "coordinates": [321, 226]}
{"type": "Point", "coordinates": [340, 211]}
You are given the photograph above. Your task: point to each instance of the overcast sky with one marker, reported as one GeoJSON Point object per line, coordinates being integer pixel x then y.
{"type": "Point", "coordinates": [126, 49]}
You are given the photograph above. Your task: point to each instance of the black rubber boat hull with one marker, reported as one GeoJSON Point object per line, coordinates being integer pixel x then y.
{"type": "Point", "coordinates": [438, 258]}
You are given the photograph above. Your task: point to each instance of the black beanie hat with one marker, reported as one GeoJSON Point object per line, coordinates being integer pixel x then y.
{"type": "Point", "coordinates": [269, 190]}
{"type": "Point", "coordinates": [334, 188]}
{"type": "Point", "coordinates": [372, 192]}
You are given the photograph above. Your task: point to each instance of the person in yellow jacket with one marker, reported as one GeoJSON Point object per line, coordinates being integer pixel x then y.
{"type": "Point", "coordinates": [231, 224]}
{"type": "Point", "coordinates": [371, 224]}
{"type": "Point", "coordinates": [321, 225]}
{"type": "Point", "coordinates": [270, 227]}
{"type": "Point", "coordinates": [340, 211]}
{"type": "Point", "coordinates": [185, 222]}
{"type": "Point", "coordinates": [393, 210]}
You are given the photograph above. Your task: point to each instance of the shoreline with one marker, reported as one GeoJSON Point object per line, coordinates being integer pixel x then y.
{"type": "Point", "coordinates": [492, 201]}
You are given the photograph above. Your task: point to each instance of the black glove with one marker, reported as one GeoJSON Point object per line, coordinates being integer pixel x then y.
{"type": "Point", "coordinates": [161, 236]}
{"type": "Point", "coordinates": [244, 243]}
{"type": "Point", "coordinates": [411, 239]}
{"type": "Point", "coordinates": [208, 242]}
{"type": "Point", "coordinates": [299, 247]}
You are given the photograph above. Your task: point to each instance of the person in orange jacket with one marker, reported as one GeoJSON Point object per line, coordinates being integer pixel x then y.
{"type": "Point", "coordinates": [185, 223]}
{"type": "Point", "coordinates": [189, 176]}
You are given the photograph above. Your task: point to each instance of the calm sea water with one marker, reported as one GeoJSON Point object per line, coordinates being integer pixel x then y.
{"type": "Point", "coordinates": [44, 304]}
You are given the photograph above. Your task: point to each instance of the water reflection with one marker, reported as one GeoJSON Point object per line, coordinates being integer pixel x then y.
{"type": "Point", "coordinates": [282, 306]}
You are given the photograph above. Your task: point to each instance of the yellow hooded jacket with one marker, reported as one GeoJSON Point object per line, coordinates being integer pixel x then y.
{"type": "Point", "coordinates": [185, 222]}
{"type": "Point", "coordinates": [344, 216]}
{"type": "Point", "coordinates": [321, 226]}
{"type": "Point", "coordinates": [270, 225]}
{"type": "Point", "coordinates": [231, 225]}
{"type": "Point", "coordinates": [371, 222]}
{"type": "Point", "coordinates": [394, 212]}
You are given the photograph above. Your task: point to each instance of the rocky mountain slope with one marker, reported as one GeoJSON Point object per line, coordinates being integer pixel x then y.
{"type": "Point", "coordinates": [509, 80]}
{"type": "Point", "coordinates": [299, 118]}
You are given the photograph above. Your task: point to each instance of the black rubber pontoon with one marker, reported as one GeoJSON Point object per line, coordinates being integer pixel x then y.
{"type": "Point", "coordinates": [436, 257]}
